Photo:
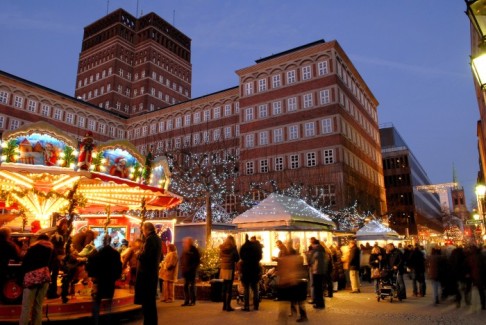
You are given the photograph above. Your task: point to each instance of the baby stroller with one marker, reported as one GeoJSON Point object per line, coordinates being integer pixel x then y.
{"type": "Point", "coordinates": [387, 286]}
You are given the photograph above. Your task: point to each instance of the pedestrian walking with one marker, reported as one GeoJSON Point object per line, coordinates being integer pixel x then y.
{"type": "Point", "coordinates": [416, 263]}
{"type": "Point", "coordinates": [104, 267]}
{"type": "Point", "coordinates": [36, 277]}
{"type": "Point", "coordinates": [376, 258]}
{"type": "Point", "coordinates": [228, 255]}
{"type": "Point", "coordinates": [395, 263]}
{"type": "Point", "coordinates": [337, 267]}
{"type": "Point", "coordinates": [251, 254]}
{"type": "Point", "coordinates": [190, 260]}
{"type": "Point", "coordinates": [316, 258]}
{"type": "Point", "coordinates": [354, 266]}
{"type": "Point", "coordinates": [147, 274]}
{"type": "Point", "coordinates": [437, 265]}
{"type": "Point", "coordinates": [169, 269]}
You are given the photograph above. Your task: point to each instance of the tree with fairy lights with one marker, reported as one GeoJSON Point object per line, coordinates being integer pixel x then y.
{"type": "Point", "coordinates": [204, 179]}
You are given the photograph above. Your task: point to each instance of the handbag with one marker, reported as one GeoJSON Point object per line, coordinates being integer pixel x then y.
{"type": "Point", "coordinates": [37, 277]}
{"type": "Point", "coordinates": [375, 273]}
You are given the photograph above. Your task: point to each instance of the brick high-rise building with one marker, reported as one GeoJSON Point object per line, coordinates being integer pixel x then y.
{"type": "Point", "coordinates": [134, 65]}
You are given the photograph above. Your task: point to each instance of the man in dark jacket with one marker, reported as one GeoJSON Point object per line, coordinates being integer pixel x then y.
{"type": "Point", "coordinates": [318, 267]}
{"type": "Point", "coordinates": [395, 263]}
{"type": "Point", "coordinates": [9, 251]}
{"type": "Point", "coordinates": [105, 268]}
{"type": "Point", "coordinates": [58, 239]}
{"type": "Point", "coordinates": [251, 254]}
{"type": "Point", "coordinates": [416, 262]}
{"type": "Point", "coordinates": [354, 266]}
{"type": "Point", "coordinates": [148, 274]}
{"type": "Point", "coordinates": [190, 260]}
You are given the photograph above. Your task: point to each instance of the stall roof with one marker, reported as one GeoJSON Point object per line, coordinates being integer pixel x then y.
{"type": "Point", "coordinates": [376, 230]}
{"type": "Point", "coordinates": [282, 212]}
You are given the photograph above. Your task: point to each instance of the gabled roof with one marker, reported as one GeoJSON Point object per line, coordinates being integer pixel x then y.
{"type": "Point", "coordinates": [376, 230]}
{"type": "Point", "coordinates": [282, 212]}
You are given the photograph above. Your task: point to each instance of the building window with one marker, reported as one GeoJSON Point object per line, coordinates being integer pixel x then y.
{"type": "Point", "coordinates": [3, 97]}
{"type": "Point", "coordinates": [262, 111]}
{"type": "Point", "coordinates": [293, 132]}
{"type": "Point", "coordinates": [276, 81]}
{"type": "Point", "coordinates": [290, 77]}
{"type": "Point", "coordinates": [277, 108]}
{"type": "Point", "coordinates": [169, 125]}
{"type": "Point", "coordinates": [308, 100]}
{"type": "Point", "coordinates": [69, 118]}
{"type": "Point", "coordinates": [187, 120]}
{"type": "Point", "coordinates": [237, 107]}
{"type": "Point", "coordinates": [144, 130]}
{"type": "Point", "coordinates": [81, 122]}
{"type": "Point", "coordinates": [2, 121]}
{"type": "Point", "coordinates": [178, 122]}
{"type": "Point", "coordinates": [311, 159]}
{"type": "Point", "coordinates": [277, 135]}
{"type": "Point", "coordinates": [250, 140]}
{"type": "Point", "coordinates": [294, 161]}
{"type": "Point", "coordinates": [292, 104]}
{"type": "Point", "coordinates": [58, 114]}
{"type": "Point", "coordinates": [279, 164]}
{"type": "Point", "coordinates": [264, 166]}
{"type": "Point", "coordinates": [197, 117]}
{"type": "Point", "coordinates": [18, 102]}
{"type": "Point", "coordinates": [306, 73]}
{"type": "Point", "coordinates": [325, 98]}
{"type": "Point", "coordinates": [187, 141]}
{"type": "Point", "coordinates": [263, 138]}
{"type": "Point", "coordinates": [14, 124]}
{"type": "Point", "coordinates": [249, 88]}
{"type": "Point", "coordinates": [217, 113]}
{"type": "Point", "coordinates": [206, 137]}
{"type": "Point", "coordinates": [195, 139]}
{"type": "Point", "coordinates": [112, 131]}
{"type": "Point", "coordinates": [227, 110]}
{"type": "Point", "coordinates": [101, 128]}
{"type": "Point", "coordinates": [262, 85]}
{"type": "Point", "coordinates": [216, 134]}
{"type": "Point", "coordinates": [227, 132]}
{"type": "Point", "coordinates": [310, 129]}
{"type": "Point", "coordinates": [249, 114]}
{"type": "Point", "coordinates": [32, 107]}
{"type": "Point", "coordinates": [326, 125]}
{"type": "Point", "coordinates": [177, 143]}
{"type": "Point", "coordinates": [237, 130]}
{"type": "Point", "coordinates": [92, 125]}
{"type": "Point", "coordinates": [161, 126]}
{"type": "Point", "coordinates": [250, 168]}
{"type": "Point", "coordinates": [328, 156]}
{"type": "Point", "coordinates": [322, 67]}
{"type": "Point", "coordinates": [207, 115]}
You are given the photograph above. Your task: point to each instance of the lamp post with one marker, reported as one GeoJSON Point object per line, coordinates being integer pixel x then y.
{"type": "Point", "coordinates": [480, 196]}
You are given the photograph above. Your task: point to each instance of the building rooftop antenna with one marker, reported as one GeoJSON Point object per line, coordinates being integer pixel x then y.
{"type": "Point", "coordinates": [107, 6]}
{"type": "Point", "coordinates": [173, 18]}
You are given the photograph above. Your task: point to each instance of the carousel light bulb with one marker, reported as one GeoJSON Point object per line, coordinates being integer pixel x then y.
{"type": "Point", "coordinates": [72, 165]}
{"type": "Point", "coordinates": [60, 162]}
{"type": "Point", "coordinates": [75, 153]}
{"type": "Point", "coordinates": [4, 157]}
{"type": "Point", "coordinates": [93, 154]}
{"type": "Point", "coordinates": [103, 161]}
{"type": "Point", "coordinates": [62, 154]}
{"type": "Point", "coordinates": [4, 144]}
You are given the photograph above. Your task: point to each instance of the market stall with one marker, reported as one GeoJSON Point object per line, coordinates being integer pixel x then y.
{"type": "Point", "coordinates": [284, 218]}
{"type": "Point", "coordinates": [376, 232]}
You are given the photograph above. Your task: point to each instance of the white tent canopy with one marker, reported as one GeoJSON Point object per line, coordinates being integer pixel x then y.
{"type": "Point", "coordinates": [374, 230]}
{"type": "Point", "coordinates": [285, 213]}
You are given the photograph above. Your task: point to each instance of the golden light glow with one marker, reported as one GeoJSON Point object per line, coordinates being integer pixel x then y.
{"type": "Point", "coordinates": [478, 65]}
{"type": "Point", "coordinates": [480, 190]}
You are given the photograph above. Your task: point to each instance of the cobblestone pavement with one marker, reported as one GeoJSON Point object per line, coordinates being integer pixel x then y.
{"type": "Point", "coordinates": [345, 308]}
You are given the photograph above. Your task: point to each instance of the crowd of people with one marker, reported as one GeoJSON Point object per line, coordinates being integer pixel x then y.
{"type": "Point", "coordinates": [319, 271]}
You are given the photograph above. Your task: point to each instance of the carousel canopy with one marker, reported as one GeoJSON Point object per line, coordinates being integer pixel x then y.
{"type": "Point", "coordinates": [375, 230]}
{"type": "Point", "coordinates": [283, 212]}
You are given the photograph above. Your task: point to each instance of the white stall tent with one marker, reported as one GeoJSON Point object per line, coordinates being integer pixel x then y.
{"type": "Point", "coordinates": [284, 218]}
{"type": "Point", "coordinates": [375, 231]}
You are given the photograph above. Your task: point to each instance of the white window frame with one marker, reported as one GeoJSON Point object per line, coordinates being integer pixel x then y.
{"type": "Point", "coordinates": [323, 68]}
{"type": "Point", "coordinates": [197, 118]}
{"type": "Point", "coordinates": [278, 135]}
{"type": "Point", "coordinates": [227, 110]}
{"type": "Point", "coordinates": [249, 114]}
{"type": "Point", "coordinates": [293, 132]}
{"type": "Point", "coordinates": [328, 155]}
{"type": "Point", "coordinates": [250, 168]}
{"type": "Point", "coordinates": [292, 104]}
{"type": "Point", "coordinates": [278, 164]}
{"type": "Point", "coordinates": [306, 72]}
{"type": "Point", "coordinates": [326, 126]}
{"type": "Point", "coordinates": [277, 108]}
{"type": "Point", "coordinates": [18, 101]}
{"type": "Point", "coordinates": [263, 138]}
{"type": "Point", "coordinates": [264, 166]}
{"type": "Point", "coordinates": [308, 100]}
{"type": "Point", "coordinates": [4, 97]}
{"type": "Point", "coordinates": [276, 81]}
{"type": "Point", "coordinates": [325, 96]}
{"type": "Point", "coordinates": [249, 88]}
{"type": "Point", "coordinates": [250, 140]}
{"type": "Point", "coordinates": [217, 112]}
{"type": "Point", "coordinates": [263, 111]}
{"type": "Point", "coordinates": [311, 159]}
{"type": "Point", "coordinates": [291, 77]}
{"type": "Point", "coordinates": [294, 161]}
{"type": "Point", "coordinates": [32, 106]}
{"type": "Point", "coordinates": [262, 85]}
{"type": "Point", "coordinates": [310, 129]}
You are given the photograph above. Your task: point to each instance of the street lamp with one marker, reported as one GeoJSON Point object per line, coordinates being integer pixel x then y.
{"type": "Point", "coordinates": [476, 11]}
{"type": "Point", "coordinates": [480, 196]}
{"type": "Point", "coordinates": [478, 66]}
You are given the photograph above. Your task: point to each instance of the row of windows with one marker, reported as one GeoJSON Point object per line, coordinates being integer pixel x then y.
{"type": "Point", "coordinates": [397, 180]}
{"type": "Point", "coordinates": [395, 162]}
{"type": "Point", "coordinates": [185, 121]}
{"type": "Point", "coordinates": [59, 114]}
{"type": "Point", "coordinates": [348, 79]}
{"type": "Point", "coordinates": [291, 105]}
{"type": "Point", "coordinates": [362, 167]}
{"type": "Point", "coordinates": [289, 133]}
{"type": "Point", "coordinates": [288, 78]}
{"type": "Point", "coordinates": [357, 139]}
{"type": "Point", "coordinates": [293, 161]}
{"type": "Point", "coordinates": [13, 123]}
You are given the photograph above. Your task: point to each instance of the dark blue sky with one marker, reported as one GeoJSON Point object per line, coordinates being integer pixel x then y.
{"type": "Point", "coordinates": [414, 56]}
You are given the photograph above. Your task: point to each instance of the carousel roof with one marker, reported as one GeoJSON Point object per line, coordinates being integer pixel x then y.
{"type": "Point", "coordinates": [282, 212]}
{"type": "Point", "coordinates": [376, 230]}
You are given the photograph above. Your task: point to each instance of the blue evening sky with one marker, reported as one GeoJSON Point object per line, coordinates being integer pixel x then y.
{"type": "Point", "coordinates": [414, 56]}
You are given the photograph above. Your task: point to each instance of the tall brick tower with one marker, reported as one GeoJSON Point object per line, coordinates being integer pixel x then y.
{"type": "Point", "coordinates": [133, 65]}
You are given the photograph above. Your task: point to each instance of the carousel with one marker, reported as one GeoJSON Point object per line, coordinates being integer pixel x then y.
{"type": "Point", "coordinates": [107, 187]}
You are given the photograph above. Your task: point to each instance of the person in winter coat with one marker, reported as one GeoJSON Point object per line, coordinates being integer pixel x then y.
{"type": "Point", "coordinates": [437, 265]}
{"type": "Point", "coordinates": [251, 254]}
{"type": "Point", "coordinates": [354, 266]}
{"type": "Point", "coordinates": [147, 274]}
{"type": "Point", "coordinates": [169, 270]}
{"type": "Point", "coordinates": [228, 255]}
{"type": "Point", "coordinates": [477, 265]}
{"type": "Point", "coordinates": [130, 259]}
{"type": "Point", "coordinates": [190, 260]}
{"type": "Point", "coordinates": [58, 239]}
{"type": "Point", "coordinates": [416, 262]}
{"type": "Point", "coordinates": [395, 263]}
{"type": "Point", "coordinates": [104, 267]}
{"type": "Point", "coordinates": [376, 258]}
{"type": "Point", "coordinates": [9, 251]}
{"type": "Point", "coordinates": [337, 270]}
{"type": "Point", "coordinates": [317, 263]}
{"type": "Point", "coordinates": [38, 257]}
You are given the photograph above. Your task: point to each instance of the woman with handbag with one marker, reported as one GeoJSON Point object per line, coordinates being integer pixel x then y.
{"type": "Point", "coordinates": [376, 257]}
{"type": "Point", "coordinates": [36, 278]}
